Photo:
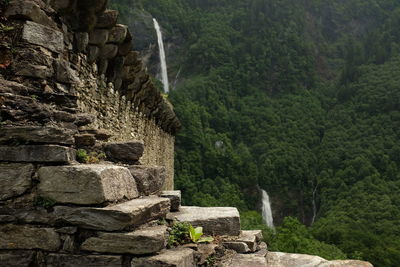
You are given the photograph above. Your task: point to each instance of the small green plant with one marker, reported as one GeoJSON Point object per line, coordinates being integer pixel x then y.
{"type": "Point", "coordinates": [196, 235]}
{"type": "Point", "coordinates": [179, 234]}
{"type": "Point", "coordinates": [44, 202]}
{"type": "Point", "coordinates": [5, 28]}
{"type": "Point", "coordinates": [82, 156]}
{"type": "Point", "coordinates": [210, 261]}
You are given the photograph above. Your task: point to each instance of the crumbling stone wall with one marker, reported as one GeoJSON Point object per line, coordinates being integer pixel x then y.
{"type": "Point", "coordinates": [68, 64]}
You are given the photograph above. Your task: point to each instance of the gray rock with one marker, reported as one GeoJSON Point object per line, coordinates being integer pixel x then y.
{"type": "Point", "coordinates": [28, 237]}
{"type": "Point", "coordinates": [132, 58]}
{"type": "Point", "coordinates": [69, 244]}
{"type": "Point", "coordinates": [44, 36]}
{"type": "Point", "coordinates": [34, 71]}
{"type": "Point", "coordinates": [81, 41]}
{"type": "Point", "coordinates": [65, 260]}
{"type": "Point", "coordinates": [128, 152]}
{"type": "Point", "coordinates": [239, 247]}
{"type": "Point", "coordinates": [65, 74]}
{"type": "Point", "coordinates": [108, 51]}
{"type": "Point", "coordinates": [38, 153]}
{"type": "Point", "coordinates": [85, 140]}
{"type": "Point", "coordinates": [118, 34]}
{"type": "Point", "coordinates": [174, 197]}
{"type": "Point", "coordinates": [251, 238]}
{"type": "Point", "coordinates": [93, 53]}
{"type": "Point", "coordinates": [70, 230]}
{"type": "Point", "coordinates": [180, 257]}
{"type": "Point", "coordinates": [17, 258]}
{"type": "Point", "coordinates": [149, 179]}
{"type": "Point", "coordinates": [107, 19]}
{"type": "Point", "coordinates": [29, 215]}
{"type": "Point", "coordinates": [28, 10]}
{"type": "Point", "coordinates": [15, 179]}
{"type": "Point", "coordinates": [103, 66]}
{"type": "Point", "coordinates": [86, 184]}
{"type": "Point", "coordinates": [139, 242]}
{"type": "Point", "coordinates": [37, 134]}
{"type": "Point", "coordinates": [98, 37]}
{"type": "Point", "coordinates": [116, 217]}
{"type": "Point", "coordinates": [214, 220]}
{"type": "Point", "coordinates": [246, 260]}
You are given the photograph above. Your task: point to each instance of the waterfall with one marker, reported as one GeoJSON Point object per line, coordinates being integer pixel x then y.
{"type": "Point", "coordinates": [266, 209]}
{"type": "Point", "coordinates": [164, 73]}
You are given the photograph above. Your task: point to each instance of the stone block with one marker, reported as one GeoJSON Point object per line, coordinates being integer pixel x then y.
{"type": "Point", "coordinates": [132, 58]}
{"type": "Point", "coordinates": [34, 71]}
{"type": "Point", "coordinates": [149, 179]}
{"type": "Point", "coordinates": [118, 217]}
{"type": "Point", "coordinates": [86, 184]}
{"type": "Point", "coordinates": [36, 134]}
{"type": "Point", "coordinates": [28, 237]}
{"type": "Point", "coordinates": [28, 10]}
{"type": "Point", "coordinates": [251, 238]}
{"type": "Point", "coordinates": [67, 260]}
{"type": "Point", "coordinates": [139, 242]}
{"type": "Point", "coordinates": [247, 260]}
{"type": "Point", "coordinates": [214, 220]}
{"type": "Point", "coordinates": [93, 53]}
{"type": "Point", "coordinates": [180, 257]}
{"type": "Point", "coordinates": [64, 72]}
{"type": "Point", "coordinates": [17, 258]}
{"type": "Point", "coordinates": [38, 153]}
{"type": "Point", "coordinates": [85, 140]}
{"type": "Point", "coordinates": [174, 197]}
{"type": "Point", "coordinates": [118, 34]}
{"type": "Point", "coordinates": [44, 36]}
{"type": "Point", "coordinates": [239, 247]}
{"type": "Point", "coordinates": [81, 41]}
{"type": "Point", "coordinates": [107, 19]}
{"type": "Point", "coordinates": [98, 37]}
{"type": "Point", "coordinates": [128, 152]}
{"type": "Point", "coordinates": [15, 179]}
{"type": "Point", "coordinates": [108, 51]}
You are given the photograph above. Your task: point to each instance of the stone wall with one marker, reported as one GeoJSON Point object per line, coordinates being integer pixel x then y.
{"type": "Point", "coordinates": [68, 64]}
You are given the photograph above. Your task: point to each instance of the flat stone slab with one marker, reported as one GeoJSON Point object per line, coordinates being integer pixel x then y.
{"type": "Point", "coordinates": [247, 260]}
{"type": "Point", "coordinates": [175, 198]}
{"type": "Point", "coordinates": [139, 242]}
{"type": "Point", "coordinates": [214, 220]}
{"type": "Point", "coordinates": [251, 238]}
{"type": "Point", "coordinates": [37, 134]}
{"type": "Point", "coordinates": [86, 184]}
{"type": "Point", "coordinates": [15, 179]}
{"type": "Point", "coordinates": [180, 257]}
{"type": "Point", "coordinates": [17, 258]}
{"type": "Point", "coordinates": [27, 237]}
{"type": "Point", "coordinates": [149, 179]}
{"type": "Point", "coordinates": [39, 153]}
{"type": "Point", "coordinates": [239, 247]}
{"type": "Point", "coordinates": [119, 217]}
{"type": "Point", "coordinates": [44, 36]}
{"type": "Point", "coordinates": [128, 152]}
{"type": "Point", "coordinates": [66, 260]}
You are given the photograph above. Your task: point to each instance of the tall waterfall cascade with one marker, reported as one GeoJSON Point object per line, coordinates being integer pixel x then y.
{"type": "Point", "coordinates": [266, 209]}
{"type": "Point", "coordinates": [164, 72]}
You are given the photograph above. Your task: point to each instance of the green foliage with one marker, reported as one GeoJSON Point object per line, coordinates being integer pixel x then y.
{"type": "Point", "coordinates": [91, 158]}
{"type": "Point", "coordinates": [82, 156]}
{"type": "Point", "coordinates": [196, 235]}
{"type": "Point", "coordinates": [179, 234]}
{"type": "Point", "coordinates": [44, 202]}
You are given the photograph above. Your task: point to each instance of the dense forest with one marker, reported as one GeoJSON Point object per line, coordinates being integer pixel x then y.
{"type": "Point", "coordinates": [297, 97]}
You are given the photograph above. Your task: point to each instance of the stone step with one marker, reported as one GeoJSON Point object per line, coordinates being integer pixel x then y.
{"type": "Point", "coordinates": [214, 220]}
{"type": "Point", "coordinates": [174, 197]}
{"type": "Point", "coordinates": [179, 257]}
{"type": "Point", "coordinates": [246, 260]}
{"type": "Point", "coordinates": [86, 184]}
{"type": "Point", "coordinates": [139, 242]}
{"type": "Point", "coordinates": [118, 217]}
{"type": "Point", "coordinates": [149, 179]}
{"type": "Point", "coordinates": [247, 241]}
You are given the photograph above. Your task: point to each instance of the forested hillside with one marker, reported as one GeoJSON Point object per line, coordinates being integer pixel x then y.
{"type": "Point", "coordinates": [300, 98]}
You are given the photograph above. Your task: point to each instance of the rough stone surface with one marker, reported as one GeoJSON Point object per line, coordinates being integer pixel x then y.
{"type": "Point", "coordinates": [247, 260]}
{"type": "Point", "coordinates": [149, 179]}
{"type": "Point", "coordinates": [81, 41]}
{"type": "Point", "coordinates": [251, 238]}
{"type": "Point", "coordinates": [118, 34]}
{"type": "Point", "coordinates": [16, 258]}
{"type": "Point", "coordinates": [64, 260]}
{"type": "Point", "coordinates": [86, 184]}
{"type": "Point", "coordinates": [174, 197]}
{"type": "Point", "coordinates": [139, 242]}
{"type": "Point", "coordinates": [84, 140]}
{"type": "Point", "coordinates": [28, 10]}
{"type": "Point", "coordinates": [15, 179]}
{"type": "Point", "coordinates": [108, 51]}
{"type": "Point", "coordinates": [31, 70]}
{"type": "Point", "coordinates": [98, 37]}
{"type": "Point", "coordinates": [39, 153]}
{"type": "Point", "coordinates": [239, 247]}
{"type": "Point", "coordinates": [64, 72]}
{"type": "Point", "coordinates": [115, 217]}
{"type": "Point", "coordinates": [124, 151]}
{"type": "Point", "coordinates": [26, 237]}
{"type": "Point", "coordinates": [214, 220]}
{"type": "Point", "coordinates": [44, 36]}
{"type": "Point", "coordinates": [107, 19]}
{"type": "Point", "coordinates": [181, 257]}
{"type": "Point", "coordinates": [36, 134]}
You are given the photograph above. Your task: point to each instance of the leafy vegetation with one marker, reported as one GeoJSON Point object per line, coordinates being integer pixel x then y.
{"type": "Point", "coordinates": [83, 156]}
{"type": "Point", "coordinates": [182, 233]}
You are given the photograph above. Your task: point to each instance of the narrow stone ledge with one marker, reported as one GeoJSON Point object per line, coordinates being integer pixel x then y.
{"type": "Point", "coordinates": [38, 153]}
{"type": "Point", "coordinates": [65, 260]}
{"type": "Point", "coordinates": [139, 242]}
{"type": "Point", "coordinates": [86, 184]}
{"type": "Point", "coordinates": [181, 257]}
{"type": "Point", "coordinates": [37, 134]}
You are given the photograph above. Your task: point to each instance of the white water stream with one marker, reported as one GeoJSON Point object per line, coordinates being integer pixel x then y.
{"type": "Point", "coordinates": [164, 72]}
{"type": "Point", "coordinates": [266, 209]}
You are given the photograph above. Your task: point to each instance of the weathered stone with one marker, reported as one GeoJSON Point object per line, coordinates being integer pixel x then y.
{"type": "Point", "coordinates": [69, 244]}
{"type": "Point", "coordinates": [239, 247]}
{"type": "Point", "coordinates": [139, 242]}
{"type": "Point", "coordinates": [39, 153]}
{"type": "Point", "coordinates": [205, 251]}
{"type": "Point", "coordinates": [107, 19]}
{"type": "Point", "coordinates": [27, 237]}
{"type": "Point", "coordinates": [98, 37]}
{"type": "Point", "coordinates": [346, 263]}
{"type": "Point", "coordinates": [34, 71]}
{"type": "Point", "coordinates": [128, 152]}
{"type": "Point", "coordinates": [65, 74]}
{"type": "Point", "coordinates": [86, 184]}
{"type": "Point", "coordinates": [125, 48]}
{"type": "Point", "coordinates": [174, 197]}
{"type": "Point", "coordinates": [251, 238]}
{"type": "Point", "coordinates": [117, 83]}
{"type": "Point", "coordinates": [118, 34]}
{"type": "Point", "coordinates": [214, 220]}
{"type": "Point", "coordinates": [84, 140]}
{"type": "Point", "coordinates": [70, 230]}
{"type": "Point", "coordinates": [44, 36]}
{"type": "Point", "coordinates": [103, 65]}
{"type": "Point", "coordinates": [29, 10]}
{"type": "Point", "coordinates": [100, 134]}
{"type": "Point", "coordinates": [36, 134]}
{"type": "Point", "coordinates": [7, 218]}
{"type": "Point", "coordinates": [30, 215]}
{"type": "Point", "coordinates": [17, 258]}
{"type": "Point", "coordinates": [65, 260]}
{"type": "Point", "coordinates": [108, 51]}
{"type": "Point", "coordinates": [115, 217]}
{"type": "Point", "coordinates": [81, 41]}
{"type": "Point", "coordinates": [93, 53]}
{"type": "Point", "coordinates": [247, 260]}
{"type": "Point", "coordinates": [83, 119]}
{"type": "Point", "coordinates": [180, 257]}
{"type": "Point", "coordinates": [149, 179]}
{"type": "Point", "coordinates": [15, 179]}
{"type": "Point", "coordinates": [132, 58]}
{"type": "Point", "coordinates": [61, 5]}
